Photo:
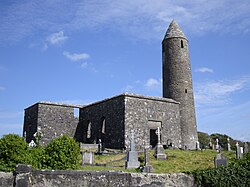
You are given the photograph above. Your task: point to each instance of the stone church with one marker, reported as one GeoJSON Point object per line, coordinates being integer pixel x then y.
{"type": "Point", "coordinates": [112, 119]}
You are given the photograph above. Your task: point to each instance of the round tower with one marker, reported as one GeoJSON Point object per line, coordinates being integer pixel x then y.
{"type": "Point", "coordinates": [177, 81]}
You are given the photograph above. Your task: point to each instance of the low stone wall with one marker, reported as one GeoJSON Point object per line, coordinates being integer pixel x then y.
{"type": "Point", "coordinates": [27, 177]}
{"type": "Point", "coordinates": [6, 179]}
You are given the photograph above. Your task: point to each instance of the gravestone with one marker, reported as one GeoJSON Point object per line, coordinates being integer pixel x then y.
{"type": "Point", "coordinates": [245, 147]}
{"type": "Point", "coordinates": [210, 145]}
{"type": "Point", "coordinates": [198, 146]}
{"type": "Point", "coordinates": [159, 151]}
{"type": "Point", "coordinates": [132, 156]}
{"type": "Point", "coordinates": [217, 146]}
{"type": "Point", "coordinates": [99, 150]}
{"type": "Point", "coordinates": [32, 144]}
{"type": "Point", "coordinates": [239, 151]}
{"type": "Point", "coordinates": [228, 144]}
{"type": "Point", "coordinates": [87, 158]}
{"type": "Point", "coordinates": [147, 168]}
{"type": "Point", "coordinates": [220, 160]}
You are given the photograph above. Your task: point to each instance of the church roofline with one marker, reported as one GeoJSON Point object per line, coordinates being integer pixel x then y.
{"type": "Point", "coordinates": [167, 100]}
{"type": "Point", "coordinates": [107, 99]}
{"type": "Point", "coordinates": [56, 104]}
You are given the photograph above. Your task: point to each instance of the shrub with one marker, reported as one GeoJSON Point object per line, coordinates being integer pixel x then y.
{"type": "Point", "coordinates": [62, 153]}
{"type": "Point", "coordinates": [13, 150]}
{"type": "Point", "coordinates": [237, 174]}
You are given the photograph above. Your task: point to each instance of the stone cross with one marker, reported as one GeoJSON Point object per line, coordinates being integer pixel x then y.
{"type": "Point", "coordinates": [132, 156]}
{"type": "Point", "coordinates": [147, 168]}
{"type": "Point", "coordinates": [146, 155]}
{"type": "Point", "coordinates": [158, 133]}
{"type": "Point", "coordinates": [132, 141]}
{"type": "Point", "coordinates": [228, 144]}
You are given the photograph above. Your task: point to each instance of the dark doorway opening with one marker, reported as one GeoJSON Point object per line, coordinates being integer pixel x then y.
{"type": "Point", "coordinates": [153, 138]}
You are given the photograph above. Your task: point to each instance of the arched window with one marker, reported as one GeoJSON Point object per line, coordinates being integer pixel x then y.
{"type": "Point", "coordinates": [182, 46]}
{"type": "Point", "coordinates": [89, 130]}
{"type": "Point", "coordinates": [103, 125]}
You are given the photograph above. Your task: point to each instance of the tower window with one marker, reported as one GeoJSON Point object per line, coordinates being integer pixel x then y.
{"type": "Point", "coordinates": [182, 46]}
{"type": "Point", "coordinates": [186, 91]}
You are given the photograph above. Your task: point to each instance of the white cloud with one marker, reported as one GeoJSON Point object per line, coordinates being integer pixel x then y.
{"type": "Point", "coordinates": [218, 92]}
{"type": "Point", "coordinates": [151, 82]}
{"type": "Point", "coordinates": [84, 65]}
{"type": "Point", "coordinates": [147, 22]}
{"type": "Point", "coordinates": [204, 70]}
{"type": "Point", "coordinates": [57, 38]}
{"type": "Point", "coordinates": [76, 56]}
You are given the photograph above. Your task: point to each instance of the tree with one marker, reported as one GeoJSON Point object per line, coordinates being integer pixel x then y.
{"type": "Point", "coordinates": [13, 151]}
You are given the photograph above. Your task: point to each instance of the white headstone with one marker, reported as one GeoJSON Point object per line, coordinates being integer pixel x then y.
{"type": "Point", "coordinates": [32, 144]}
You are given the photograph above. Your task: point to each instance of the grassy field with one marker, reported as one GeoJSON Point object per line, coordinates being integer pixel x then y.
{"type": "Point", "coordinates": [178, 161]}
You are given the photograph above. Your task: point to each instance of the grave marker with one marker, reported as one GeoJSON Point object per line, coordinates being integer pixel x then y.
{"type": "Point", "coordinates": [132, 156]}
{"type": "Point", "coordinates": [220, 160]}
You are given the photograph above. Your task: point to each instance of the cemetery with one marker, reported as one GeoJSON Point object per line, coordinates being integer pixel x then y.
{"type": "Point", "coordinates": [126, 140]}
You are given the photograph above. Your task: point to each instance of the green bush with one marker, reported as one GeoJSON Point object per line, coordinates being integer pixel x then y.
{"type": "Point", "coordinates": [62, 153]}
{"type": "Point", "coordinates": [237, 174]}
{"type": "Point", "coordinates": [13, 150]}
{"type": "Point", "coordinates": [37, 157]}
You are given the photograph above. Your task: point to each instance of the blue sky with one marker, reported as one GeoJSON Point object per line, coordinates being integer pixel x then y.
{"type": "Point", "coordinates": [85, 51]}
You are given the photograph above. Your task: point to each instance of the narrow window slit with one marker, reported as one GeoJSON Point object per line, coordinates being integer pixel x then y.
{"type": "Point", "coordinates": [182, 46]}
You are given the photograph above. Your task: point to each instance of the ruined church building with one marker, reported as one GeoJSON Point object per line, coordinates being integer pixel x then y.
{"type": "Point", "coordinates": [112, 119]}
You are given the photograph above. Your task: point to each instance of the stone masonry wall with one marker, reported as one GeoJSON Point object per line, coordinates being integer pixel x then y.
{"type": "Point", "coordinates": [30, 122]}
{"type": "Point", "coordinates": [56, 120]}
{"type": "Point", "coordinates": [50, 119]}
{"type": "Point", "coordinates": [140, 111]}
{"type": "Point", "coordinates": [27, 177]}
{"type": "Point", "coordinates": [6, 179]}
{"type": "Point", "coordinates": [177, 85]}
{"type": "Point", "coordinates": [109, 112]}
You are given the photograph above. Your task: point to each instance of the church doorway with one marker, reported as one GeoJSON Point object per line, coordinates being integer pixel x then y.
{"type": "Point", "coordinates": [153, 138]}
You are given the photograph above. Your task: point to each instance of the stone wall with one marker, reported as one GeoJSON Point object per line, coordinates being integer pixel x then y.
{"type": "Point", "coordinates": [27, 177]}
{"type": "Point", "coordinates": [144, 113]}
{"type": "Point", "coordinates": [127, 112]}
{"type": "Point", "coordinates": [6, 179]}
{"type": "Point", "coordinates": [30, 122]}
{"type": "Point", "coordinates": [52, 119]}
{"type": "Point", "coordinates": [106, 121]}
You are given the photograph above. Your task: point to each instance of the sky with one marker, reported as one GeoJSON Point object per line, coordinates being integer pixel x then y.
{"type": "Point", "coordinates": [83, 51]}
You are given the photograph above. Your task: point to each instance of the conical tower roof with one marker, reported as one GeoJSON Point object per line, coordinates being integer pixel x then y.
{"type": "Point", "coordinates": [174, 31]}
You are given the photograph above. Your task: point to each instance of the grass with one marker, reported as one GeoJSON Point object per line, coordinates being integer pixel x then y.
{"type": "Point", "coordinates": [186, 161]}
{"type": "Point", "coordinates": [178, 161]}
